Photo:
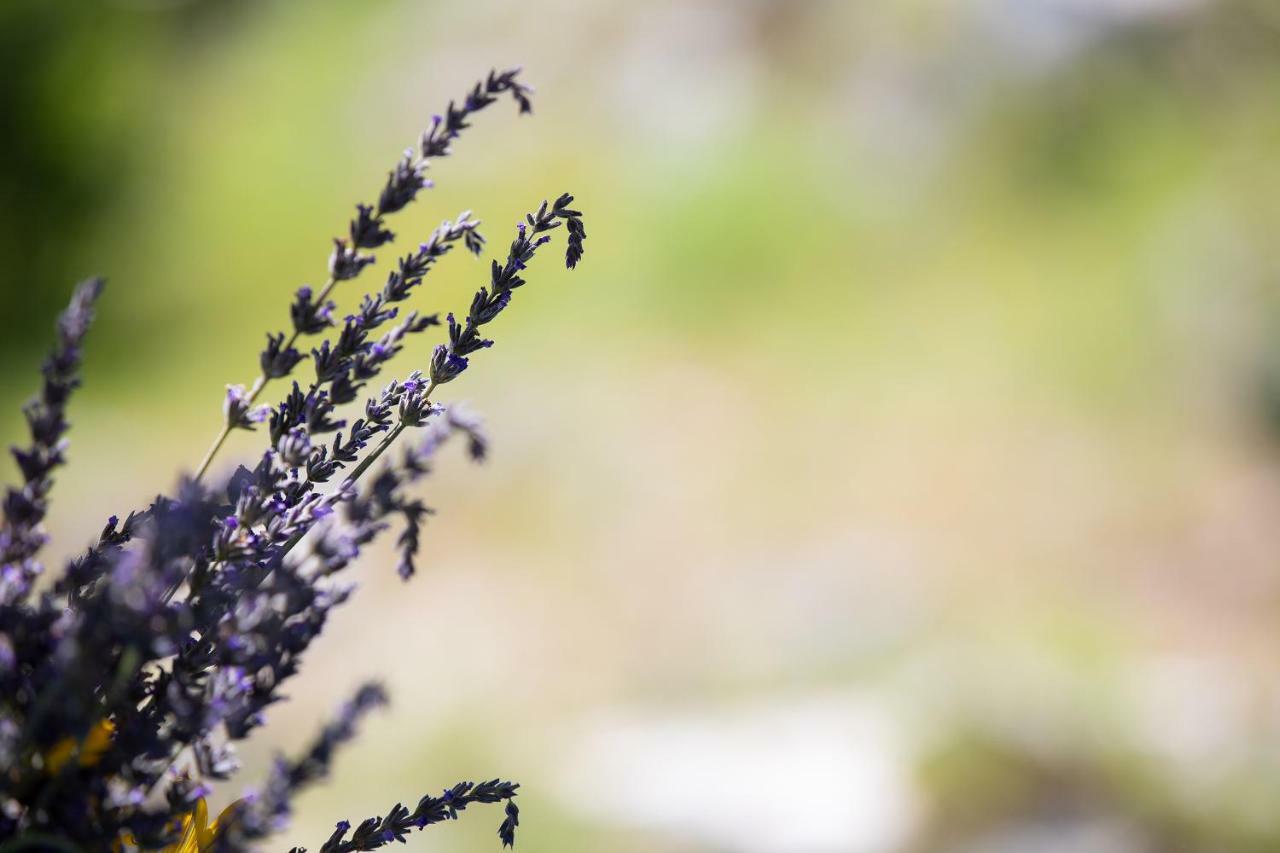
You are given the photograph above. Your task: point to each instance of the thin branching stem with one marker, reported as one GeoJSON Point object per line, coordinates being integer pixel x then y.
{"type": "Point", "coordinates": [258, 385]}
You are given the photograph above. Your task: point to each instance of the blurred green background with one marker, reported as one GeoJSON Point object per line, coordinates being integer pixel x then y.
{"type": "Point", "coordinates": [898, 472]}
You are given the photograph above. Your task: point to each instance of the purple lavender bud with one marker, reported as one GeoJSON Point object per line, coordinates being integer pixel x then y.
{"type": "Point", "coordinates": [414, 409]}
{"type": "Point", "coordinates": [239, 410]}
{"type": "Point", "coordinates": [295, 447]}
{"type": "Point", "coordinates": [507, 831]}
{"type": "Point", "coordinates": [367, 229]}
{"type": "Point", "coordinates": [278, 360]}
{"type": "Point", "coordinates": [403, 184]}
{"type": "Point", "coordinates": [310, 317]}
{"type": "Point", "coordinates": [445, 366]}
{"type": "Point", "coordinates": [346, 262]}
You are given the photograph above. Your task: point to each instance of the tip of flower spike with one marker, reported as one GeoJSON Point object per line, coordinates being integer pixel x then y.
{"type": "Point", "coordinates": [507, 831]}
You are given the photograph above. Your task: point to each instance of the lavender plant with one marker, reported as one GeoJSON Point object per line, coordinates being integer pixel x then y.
{"type": "Point", "coordinates": [127, 679]}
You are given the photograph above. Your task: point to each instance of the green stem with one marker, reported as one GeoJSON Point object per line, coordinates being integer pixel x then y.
{"type": "Point", "coordinates": [373, 455]}
{"type": "Point", "coordinates": [349, 480]}
{"type": "Point", "coordinates": [355, 475]}
{"type": "Point", "coordinates": [258, 384]}
{"type": "Point", "coordinates": [364, 465]}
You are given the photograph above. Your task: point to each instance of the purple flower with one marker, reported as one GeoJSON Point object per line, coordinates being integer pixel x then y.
{"type": "Point", "coordinates": [239, 409]}
{"type": "Point", "coordinates": [176, 631]}
{"type": "Point", "coordinates": [446, 365]}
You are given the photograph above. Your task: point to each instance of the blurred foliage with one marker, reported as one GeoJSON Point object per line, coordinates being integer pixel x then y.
{"type": "Point", "coordinates": [79, 81]}
{"type": "Point", "coordinates": [984, 783]}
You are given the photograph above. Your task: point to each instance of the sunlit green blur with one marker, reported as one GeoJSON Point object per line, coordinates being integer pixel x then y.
{"type": "Point", "coordinates": [897, 472]}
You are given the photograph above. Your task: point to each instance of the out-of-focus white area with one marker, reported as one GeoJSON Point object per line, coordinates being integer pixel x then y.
{"type": "Point", "coordinates": [817, 773]}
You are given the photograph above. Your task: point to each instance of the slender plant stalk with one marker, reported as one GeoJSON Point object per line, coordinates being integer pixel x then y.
{"type": "Point", "coordinates": [213, 450]}
{"type": "Point", "coordinates": [258, 385]}
{"type": "Point", "coordinates": [374, 454]}
{"type": "Point", "coordinates": [348, 481]}
{"type": "Point", "coordinates": [364, 465]}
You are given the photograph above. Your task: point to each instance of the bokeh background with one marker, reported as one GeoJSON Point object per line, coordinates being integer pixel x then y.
{"type": "Point", "coordinates": [898, 472]}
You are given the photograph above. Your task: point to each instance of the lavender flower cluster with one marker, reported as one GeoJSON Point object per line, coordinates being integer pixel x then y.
{"type": "Point", "coordinates": [127, 678]}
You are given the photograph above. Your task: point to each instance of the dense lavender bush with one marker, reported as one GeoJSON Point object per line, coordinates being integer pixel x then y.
{"type": "Point", "coordinates": [126, 679]}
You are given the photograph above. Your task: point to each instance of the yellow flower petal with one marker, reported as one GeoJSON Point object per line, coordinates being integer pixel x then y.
{"type": "Point", "coordinates": [89, 751]}
{"type": "Point", "coordinates": [198, 835]}
{"type": "Point", "coordinates": [223, 817]}
{"type": "Point", "coordinates": [58, 755]}
{"type": "Point", "coordinates": [96, 743]}
{"type": "Point", "coordinates": [186, 842]}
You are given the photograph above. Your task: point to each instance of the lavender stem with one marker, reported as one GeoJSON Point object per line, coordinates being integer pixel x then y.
{"type": "Point", "coordinates": [258, 385]}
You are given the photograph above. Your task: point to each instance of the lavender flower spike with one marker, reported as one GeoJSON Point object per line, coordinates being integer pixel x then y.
{"type": "Point", "coordinates": [367, 230]}
{"type": "Point", "coordinates": [376, 832]}
{"type": "Point", "coordinates": [125, 685]}
{"type": "Point", "coordinates": [21, 535]}
{"type": "Point", "coordinates": [239, 410]}
{"type": "Point", "coordinates": [268, 812]}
